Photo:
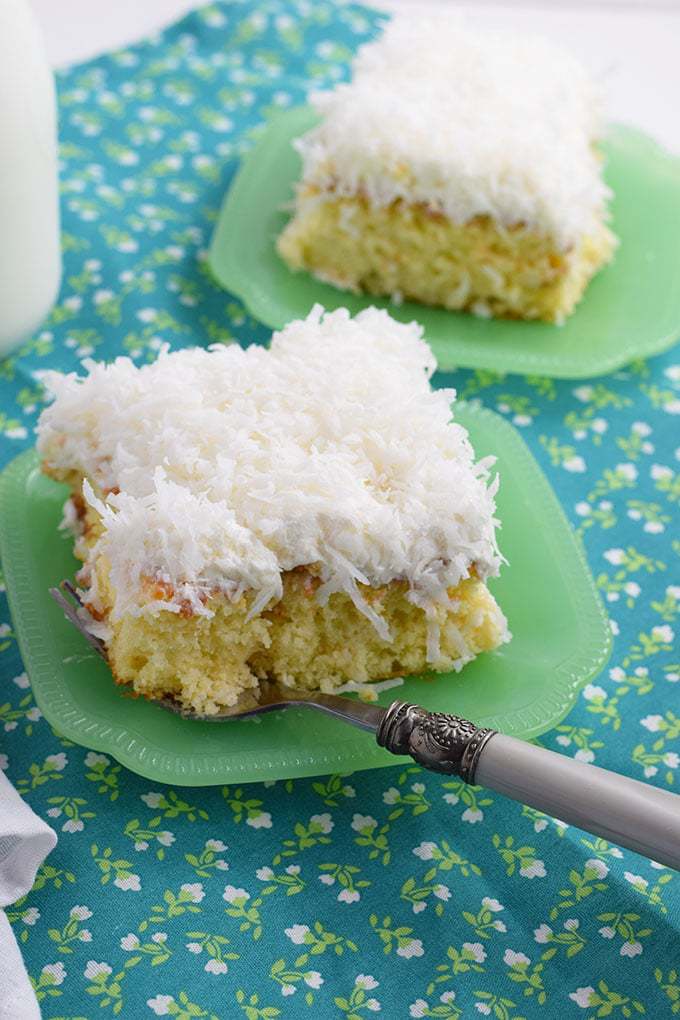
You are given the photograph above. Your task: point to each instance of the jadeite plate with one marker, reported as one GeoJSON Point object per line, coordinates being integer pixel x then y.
{"type": "Point", "coordinates": [561, 639]}
{"type": "Point", "coordinates": [630, 310]}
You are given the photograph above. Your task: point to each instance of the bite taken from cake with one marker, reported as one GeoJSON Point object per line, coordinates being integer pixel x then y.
{"type": "Point", "coordinates": [309, 514]}
{"type": "Point", "coordinates": [457, 168]}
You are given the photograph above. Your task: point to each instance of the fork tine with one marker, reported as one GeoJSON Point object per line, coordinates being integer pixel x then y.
{"type": "Point", "coordinates": [73, 592]}
{"type": "Point", "coordinates": [71, 613]}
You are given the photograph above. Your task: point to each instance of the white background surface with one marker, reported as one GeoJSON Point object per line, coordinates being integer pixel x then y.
{"type": "Point", "coordinates": [634, 45]}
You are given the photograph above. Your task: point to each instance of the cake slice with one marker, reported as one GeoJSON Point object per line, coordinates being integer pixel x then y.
{"type": "Point", "coordinates": [457, 168]}
{"type": "Point", "coordinates": [308, 514]}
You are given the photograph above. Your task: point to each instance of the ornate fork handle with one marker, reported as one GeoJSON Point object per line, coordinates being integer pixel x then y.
{"type": "Point", "coordinates": [436, 740]}
{"type": "Point", "coordinates": [619, 809]}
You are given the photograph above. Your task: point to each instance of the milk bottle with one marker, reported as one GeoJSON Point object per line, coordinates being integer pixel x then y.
{"type": "Point", "coordinates": [30, 259]}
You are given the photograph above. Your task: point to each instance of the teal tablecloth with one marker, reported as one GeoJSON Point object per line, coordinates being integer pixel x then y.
{"type": "Point", "coordinates": [393, 892]}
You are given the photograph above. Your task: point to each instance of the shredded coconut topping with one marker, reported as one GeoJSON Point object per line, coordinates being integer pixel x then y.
{"type": "Point", "coordinates": [467, 122]}
{"type": "Point", "coordinates": [226, 467]}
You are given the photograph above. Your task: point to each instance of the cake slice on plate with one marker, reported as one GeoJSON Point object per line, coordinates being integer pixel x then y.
{"type": "Point", "coordinates": [457, 168]}
{"type": "Point", "coordinates": [308, 514]}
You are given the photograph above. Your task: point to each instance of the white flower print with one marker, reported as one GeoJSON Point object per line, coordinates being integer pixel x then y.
{"type": "Point", "coordinates": [582, 996]}
{"type": "Point", "coordinates": [607, 932]}
{"type": "Point", "coordinates": [264, 874]}
{"type": "Point", "coordinates": [576, 464]}
{"type": "Point", "coordinates": [313, 979]}
{"type": "Point", "coordinates": [129, 942]}
{"type": "Point", "coordinates": [628, 471]}
{"type": "Point", "coordinates": [476, 950]}
{"type": "Point", "coordinates": [261, 821]}
{"type": "Point", "coordinates": [442, 892]}
{"type": "Point", "coordinates": [92, 759]}
{"type": "Point", "coordinates": [425, 850]}
{"type": "Point", "coordinates": [161, 1004]}
{"type": "Point", "coordinates": [81, 913]}
{"type": "Point", "coordinates": [288, 989]}
{"type": "Point", "coordinates": [543, 933]}
{"type": "Point", "coordinates": [360, 822]}
{"type": "Point", "coordinates": [194, 947]}
{"type": "Point", "coordinates": [663, 633]}
{"type": "Point", "coordinates": [511, 958]}
{"type": "Point", "coordinates": [152, 800]}
{"type": "Point", "coordinates": [615, 556]}
{"type": "Point", "coordinates": [492, 904]}
{"type": "Point", "coordinates": [30, 916]}
{"type": "Point", "coordinates": [591, 692]}
{"type": "Point", "coordinates": [418, 1008]}
{"type": "Point", "coordinates": [472, 815]}
{"type": "Point", "coordinates": [534, 870]}
{"type": "Point", "coordinates": [58, 762]}
{"type": "Point", "coordinates": [630, 949]}
{"type": "Point", "coordinates": [165, 838]}
{"type": "Point", "coordinates": [231, 894]}
{"type": "Point", "coordinates": [216, 845]}
{"type": "Point", "coordinates": [598, 866]}
{"type": "Point", "coordinates": [73, 825]}
{"type": "Point", "coordinates": [414, 947]}
{"type": "Point", "coordinates": [194, 890]}
{"type": "Point", "coordinates": [373, 1005]}
{"type": "Point", "coordinates": [652, 723]}
{"type": "Point", "coordinates": [584, 755]}
{"type": "Point", "coordinates": [297, 933]}
{"type": "Point", "coordinates": [94, 970]}
{"type": "Point", "coordinates": [349, 896]}
{"type": "Point", "coordinates": [129, 883]}
{"type": "Point", "coordinates": [483, 1008]}
{"type": "Point", "coordinates": [4, 762]}
{"type": "Point", "coordinates": [366, 981]}
{"type": "Point", "coordinates": [55, 972]}
{"type": "Point", "coordinates": [216, 967]}
{"type": "Point", "coordinates": [327, 879]}
{"type": "Point", "coordinates": [325, 822]}
{"type": "Point", "coordinates": [636, 880]}
{"type": "Point", "coordinates": [671, 759]}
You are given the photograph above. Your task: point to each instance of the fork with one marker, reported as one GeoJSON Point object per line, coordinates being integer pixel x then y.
{"type": "Point", "coordinates": [621, 810]}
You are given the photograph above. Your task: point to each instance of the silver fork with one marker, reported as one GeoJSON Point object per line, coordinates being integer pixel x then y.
{"type": "Point", "coordinates": [621, 810]}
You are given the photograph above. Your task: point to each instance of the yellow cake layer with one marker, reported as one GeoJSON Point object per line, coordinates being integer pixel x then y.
{"type": "Point", "coordinates": [408, 251]}
{"type": "Point", "coordinates": [212, 664]}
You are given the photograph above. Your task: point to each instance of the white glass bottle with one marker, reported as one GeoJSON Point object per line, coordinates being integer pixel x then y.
{"type": "Point", "coordinates": [30, 256]}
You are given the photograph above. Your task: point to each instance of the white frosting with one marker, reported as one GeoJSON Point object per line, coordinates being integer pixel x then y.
{"type": "Point", "coordinates": [235, 465]}
{"type": "Point", "coordinates": [467, 122]}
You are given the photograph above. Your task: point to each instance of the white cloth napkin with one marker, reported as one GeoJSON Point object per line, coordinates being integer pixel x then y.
{"type": "Point", "coordinates": [25, 842]}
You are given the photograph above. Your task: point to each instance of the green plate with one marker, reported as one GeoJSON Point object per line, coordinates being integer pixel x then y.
{"type": "Point", "coordinates": [561, 639]}
{"type": "Point", "coordinates": [630, 310]}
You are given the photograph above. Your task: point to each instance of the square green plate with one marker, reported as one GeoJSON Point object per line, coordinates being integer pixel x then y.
{"type": "Point", "coordinates": [630, 310]}
{"type": "Point", "coordinates": [561, 639]}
